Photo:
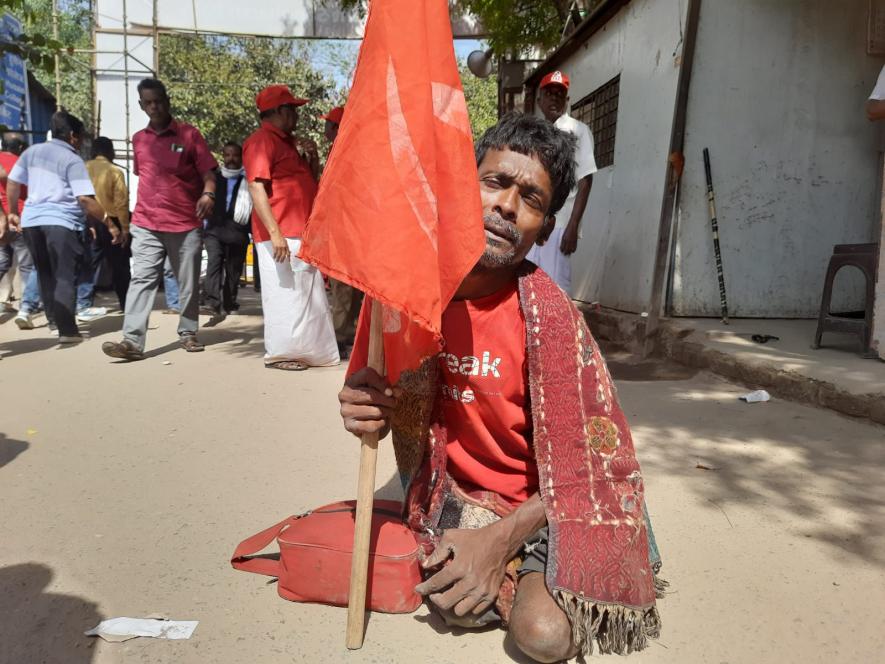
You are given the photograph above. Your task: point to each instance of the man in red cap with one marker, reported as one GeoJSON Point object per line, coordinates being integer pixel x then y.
{"type": "Point", "coordinates": [553, 255]}
{"type": "Point", "coordinates": [333, 121]}
{"type": "Point", "coordinates": [298, 329]}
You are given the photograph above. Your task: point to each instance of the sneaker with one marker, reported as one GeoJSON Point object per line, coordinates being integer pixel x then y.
{"type": "Point", "coordinates": [23, 321]}
{"type": "Point", "coordinates": [92, 313]}
{"type": "Point", "coordinates": [123, 350]}
{"type": "Point", "coordinates": [171, 312]}
{"type": "Point", "coordinates": [67, 340]}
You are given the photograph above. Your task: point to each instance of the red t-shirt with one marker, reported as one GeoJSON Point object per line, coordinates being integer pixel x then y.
{"type": "Point", "coordinates": [170, 165]}
{"type": "Point", "coordinates": [7, 161]}
{"type": "Point", "coordinates": [269, 154]}
{"type": "Point", "coordinates": [484, 392]}
{"type": "Point", "coordinates": [484, 379]}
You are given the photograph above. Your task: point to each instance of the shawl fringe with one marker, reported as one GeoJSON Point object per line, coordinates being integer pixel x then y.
{"type": "Point", "coordinates": [661, 587]}
{"type": "Point", "coordinates": [616, 629]}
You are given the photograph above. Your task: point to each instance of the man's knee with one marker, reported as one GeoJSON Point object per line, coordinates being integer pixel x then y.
{"type": "Point", "coordinates": [545, 638]}
{"type": "Point", "coordinates": [537, 625]}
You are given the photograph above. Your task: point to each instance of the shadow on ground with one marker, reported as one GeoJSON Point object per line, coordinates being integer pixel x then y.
{"type": "Point", "coordinates": [41, 626]}
{"type": "Point", "coordinates": [10, 449]}
{"type": "Point", "coordinates": [818, 473]}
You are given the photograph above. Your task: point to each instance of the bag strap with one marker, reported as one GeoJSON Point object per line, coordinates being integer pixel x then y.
{"type": "Point", "coordinates": [256, 543]}
{"type": "Point", "coordinates": [241, 559]}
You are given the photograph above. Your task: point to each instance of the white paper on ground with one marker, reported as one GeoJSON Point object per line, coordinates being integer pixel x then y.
{"type": "Point", "coordinates": [758, 396]}
{"type": "Point", "coordinates": [123, 629]}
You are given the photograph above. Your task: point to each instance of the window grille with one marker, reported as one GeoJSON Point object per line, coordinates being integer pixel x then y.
{"type": "Point", "coordinates": [599, 111]}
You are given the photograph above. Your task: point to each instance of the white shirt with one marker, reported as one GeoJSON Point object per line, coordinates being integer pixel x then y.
{"type": "Point", "coordinates": [585, 162]}
{"type": "Point", "coordinates": [878, 92]}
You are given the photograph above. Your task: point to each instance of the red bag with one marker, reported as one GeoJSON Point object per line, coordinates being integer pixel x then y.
{"type": "Point", "coordinates": [315, 552]}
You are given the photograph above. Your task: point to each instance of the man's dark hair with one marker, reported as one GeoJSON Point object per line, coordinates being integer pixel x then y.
{"type": "Point", "coordinates": [103, 147]}
{"type": "Point", "coordinates": [152, 84]}
{"type": "Point", "coordinates": [14, 142]}
{"type": "Point", "coordinates": [535, 137]}
{"type": "Point", "coordinates": [233, 144]}
{"type": "Point", "coordinates": [63, 125]}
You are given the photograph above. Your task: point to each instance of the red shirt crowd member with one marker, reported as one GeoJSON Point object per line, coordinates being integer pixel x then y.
{"type": "Point", "coordinates": [176, 191]}
{"type": "Point", "coordinates": [13, 145]}
{"type": "Point", "coordinates": [297, 323]}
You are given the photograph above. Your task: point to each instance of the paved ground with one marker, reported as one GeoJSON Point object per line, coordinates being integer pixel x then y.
{"type": "Point", "coordinates": [124, 489]}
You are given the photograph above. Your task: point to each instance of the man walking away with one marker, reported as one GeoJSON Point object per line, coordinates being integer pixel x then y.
{"type": "Point", "coordinates": [112, 194]}
{"type": "Point", "coordinates": [176, 191]}
{"type": "Point", "coordinates": [60, 196]}
{"type": "Point", "coordinates": [13, 145]}
{"type": "Point", "coordinates": [298, 329]}
{"type": "Point", "coordinates": [227, 234]}
{"type": "Point", "coordinates": [554, 255]}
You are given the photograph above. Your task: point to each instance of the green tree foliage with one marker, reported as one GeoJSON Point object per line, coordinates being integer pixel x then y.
{"type": "Point", "coordinates": [513, 27]}
{"type": "Point", "coordinates": [482, 100]}
{"type": "Point", "coordinates": [74, 32]}
{"type": "Point", "coordinates": [213, 80]}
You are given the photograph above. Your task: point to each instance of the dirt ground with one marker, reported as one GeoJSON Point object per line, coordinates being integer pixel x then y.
{"type": "Point", "coordinates": [125, 487]}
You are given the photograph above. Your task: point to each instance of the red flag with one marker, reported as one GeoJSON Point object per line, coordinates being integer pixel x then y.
{"type": "Point", "coordinates": [398, 214]}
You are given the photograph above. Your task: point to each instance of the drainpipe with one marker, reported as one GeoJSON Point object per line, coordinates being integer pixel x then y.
{"type": "Point", "coordinates": [675, 163]}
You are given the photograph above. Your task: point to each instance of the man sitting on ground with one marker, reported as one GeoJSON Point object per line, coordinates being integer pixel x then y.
{"type": "Point", "coordinates": [522, 478]}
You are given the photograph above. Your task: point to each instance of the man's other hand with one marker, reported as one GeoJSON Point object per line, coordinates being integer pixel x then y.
{"type": "Point", "coordinates": [569, 242]}
{"type": "Point", "coordinates": [15, 223]}
{"type": "Point", "coordinates": [204, 206]}
{"type": "Point", "coordinates": [472, 577]}
{"type": "Point", "coordinates": [366, 403]}
{"type": "Point", "coordinates": [116, 234]}
{"type": "Point", "coordinates": [280, 248]}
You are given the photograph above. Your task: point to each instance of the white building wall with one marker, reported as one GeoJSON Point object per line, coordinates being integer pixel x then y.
{"type": "Point", "coordinates": [615, 257]}
{"type": "Point", "coordinates": [777, 95]}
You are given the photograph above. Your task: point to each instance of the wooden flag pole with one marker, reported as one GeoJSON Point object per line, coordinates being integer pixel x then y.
{"type": "Point", "coordinates": [359, 564]}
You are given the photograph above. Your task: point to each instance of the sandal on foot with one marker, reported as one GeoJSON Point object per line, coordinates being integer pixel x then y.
{"type": "Point", "coordinates": [190, 344]}
{"type": "Point", "coordinates": [124, 350]}
{"type": "Point", "coordinates": [288, 365]}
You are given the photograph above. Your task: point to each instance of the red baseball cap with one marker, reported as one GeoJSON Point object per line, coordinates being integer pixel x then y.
{"type": "Point", "coordinates": [274, 96]}
{"type": "Point", "coordinates": [335, 115]}
{"type": "Point", "coordinates": [555, 78]}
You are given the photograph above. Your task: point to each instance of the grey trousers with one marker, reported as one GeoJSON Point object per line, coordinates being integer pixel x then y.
{"type": "Point", "coordinates": [149, 251]}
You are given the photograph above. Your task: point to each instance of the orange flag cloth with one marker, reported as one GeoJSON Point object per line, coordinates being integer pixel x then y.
{"type": "Point", "coordinates": [398, 213]}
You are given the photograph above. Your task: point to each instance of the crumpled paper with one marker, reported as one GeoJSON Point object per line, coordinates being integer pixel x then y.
{"type": "Point", "coordinates": [123, 629]}
{"type": "Point", "coordinates": [759, 396]}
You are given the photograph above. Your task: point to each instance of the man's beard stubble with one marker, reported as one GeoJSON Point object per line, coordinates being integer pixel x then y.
{"type": "Point", "coordinates": [491, 259]}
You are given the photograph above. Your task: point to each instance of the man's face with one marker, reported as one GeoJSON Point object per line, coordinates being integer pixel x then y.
{"type": "Point", "coordinates": [232, 156]}
{"type": "Point", "coordinates": [289, 117]}
{"type": "Point", "coordinates": [155, 104]}
{"type": "Point", "coordinates": [553, 101]}
{"type": "Point", "coordinates": [516, 191]}
{"type": "Point", "coordinates": [331, 131]}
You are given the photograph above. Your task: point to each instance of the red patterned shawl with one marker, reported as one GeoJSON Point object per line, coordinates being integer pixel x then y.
{"type": "Point", "coordinates": [590, 483]}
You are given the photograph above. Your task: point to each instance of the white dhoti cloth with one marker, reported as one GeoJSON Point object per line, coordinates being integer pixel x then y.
{"type": "Point", "coordinates": [297, 319]}
{"type": "Point", "coordinates": [555, 263]}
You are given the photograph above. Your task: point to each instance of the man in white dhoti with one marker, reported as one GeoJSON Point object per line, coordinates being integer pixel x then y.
{"type": "Point", "coordinates": [298, 330]}
{"type": "Point", "coordinates": [554, 256]}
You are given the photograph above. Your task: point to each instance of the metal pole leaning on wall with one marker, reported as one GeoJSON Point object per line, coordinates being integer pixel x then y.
{"type": "Point", "coordinates": [714, 223]}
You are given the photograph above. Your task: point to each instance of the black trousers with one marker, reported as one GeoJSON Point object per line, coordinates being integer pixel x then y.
{"type": "Point", "coordinates": [117, 258]}
{"type": "Point", "coordinates": [58, 254]}
{"type": "Point", "coordinates": [226, 254]}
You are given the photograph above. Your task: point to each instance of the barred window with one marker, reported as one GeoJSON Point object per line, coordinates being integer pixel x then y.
{"type": "Point", "coordinates": [599, 111]}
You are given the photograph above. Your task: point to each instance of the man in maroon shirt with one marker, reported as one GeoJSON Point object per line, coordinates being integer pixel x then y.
{"type": "Point", "coordinates": [176, 191]}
